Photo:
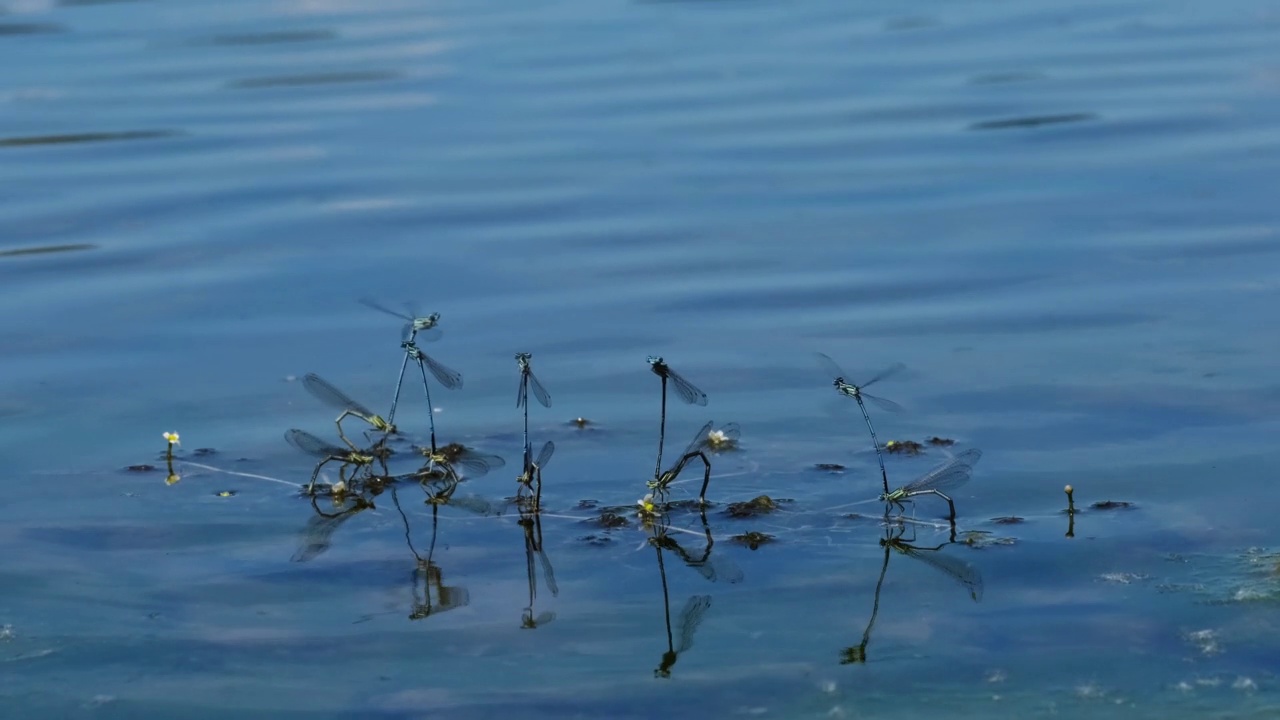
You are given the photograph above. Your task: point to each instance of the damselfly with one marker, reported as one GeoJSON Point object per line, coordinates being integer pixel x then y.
{"type": "Point", "coordinates": [529, 381]}
{"type": "Point", "coordinates": [448, 378]}
{"type": "Point", "coordinates": [948, 476]}
{"type": "Point", "coordinates": [312, 445]}
{"type": "Point", "coordinates": [662, 481]}
{"type": "Point", "coordinates": [325, 392]}
{"type": "Point", "coordinates": [687, 391]}
{"type": "Point", "coordinates": [416, 325]}
{"type": "Point", "coordinates": [457, 455]}
{"type": "Point", "coordinates": [844, 387]}
{"type": "Point", "coordinates": [531, 479]}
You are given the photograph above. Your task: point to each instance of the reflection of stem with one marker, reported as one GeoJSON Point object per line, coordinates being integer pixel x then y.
{"type": "Point", "coordinates": [1071, 512]}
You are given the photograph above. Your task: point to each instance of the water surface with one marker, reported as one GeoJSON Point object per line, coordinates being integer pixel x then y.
{"type": "Point", "coordinates": [1055, 214]}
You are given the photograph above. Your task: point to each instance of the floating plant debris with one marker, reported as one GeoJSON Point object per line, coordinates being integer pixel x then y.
{"type": "Point", "coordinates": [829, 467]}
{"type": "Point", "coordinates": [979, 539]}
{"type": "Point", "coordinates": [141, 468]}
{"type": "Point", "coordinates": [1111, 505]}
{"type": "Point", "coordinates": [761, 505]}
{"type": "Point", "coordinates": [609, 520]}
{"type": "Point", "coordinates": [753, 539]}
{"type": "Point", "coordinates": [226, 493]}
{"type": "Point", "coordinates": [903, 447]}
{"type": "Point", "coordinates": [940, 442]}
{"type": "Point", "coordinates": [588, 504]}
{"type": "Point", "coordinates": [1008, 520]}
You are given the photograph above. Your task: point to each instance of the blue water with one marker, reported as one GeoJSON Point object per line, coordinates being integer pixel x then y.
{"type": "Point", "coordinates": [1055, 214]}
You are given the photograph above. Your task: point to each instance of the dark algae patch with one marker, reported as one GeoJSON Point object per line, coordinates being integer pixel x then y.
{"type": "Point", "coordinates": [1112, 505]}
{"type": "Point", "coordinates": [762, 505]}
{"type": "Point", "coordinates": [753, 539]}
{"type": "Point", "coordinates": [903, 447]}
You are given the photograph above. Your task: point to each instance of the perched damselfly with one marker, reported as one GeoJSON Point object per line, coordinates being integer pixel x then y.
{"type": "Point", "coordinates": [457, 455]}
{"type": "Point", "coordinates": [529, 381]}
{"type": "Point", "coordinates": [451, 379]}
{"type": "Point", "coordinates": [530, 480]}
{"type": "Point", "coordinates": [312, 445]}
{"type": "Point", "coordinates": [948, 476]}
{"type": "Point", "coordinates": [662, 481]}
{"type": "Point", "coordinates": [687, 391]}
{"type": "Point", "coordinates": [325, 392]}
{"type": "Point", "coordinates": [848, 389]}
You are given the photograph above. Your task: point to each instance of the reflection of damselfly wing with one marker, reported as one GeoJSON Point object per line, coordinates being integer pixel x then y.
{"type": "Point", "coordinates": [953, 567]}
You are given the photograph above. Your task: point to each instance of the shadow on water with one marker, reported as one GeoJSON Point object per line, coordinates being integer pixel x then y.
{"type": "Point", "coordinates": [22, 252]}
{"type": "Point", "coordinates": [83, 3]}
{"type": "Point", "coordinates": [277, 37]}
{"type": "Point", "coordinates": [7, 29]}
{"type": "Point", "coordinates": [334, 78]}
{"type": "Point", "coordinates": [1033, 121]}
{"type": "Point", "coordinates": [85, 138]}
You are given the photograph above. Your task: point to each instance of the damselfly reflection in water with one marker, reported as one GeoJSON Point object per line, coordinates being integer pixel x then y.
{"type": "Point", "coordinates": [312, 445]}
{"type": "Point", "coordinates": [317, 537]}
{"type": "Point", "coordinates": [695, 608]}
{"type": "Point", "coordinates": [662, 481]}
{"type": "Point", "coordinates": [325, 392]}
{"type": "Point", "coordinates": [531, 523]}
{"type": "Point", "coordinates": [948, 476]}
{"type": "Point", "coordinates": [430, 595]}
{"type": "Point", "coordinates": [958, 570]}
{"type": "Point", "coordinates": [848, 389]}
{"type": "Point", "coordinates": [687, 391]}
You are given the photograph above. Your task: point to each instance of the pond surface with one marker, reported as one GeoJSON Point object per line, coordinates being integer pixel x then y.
{"type": "Point", "coordinates": [1059, 216]}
